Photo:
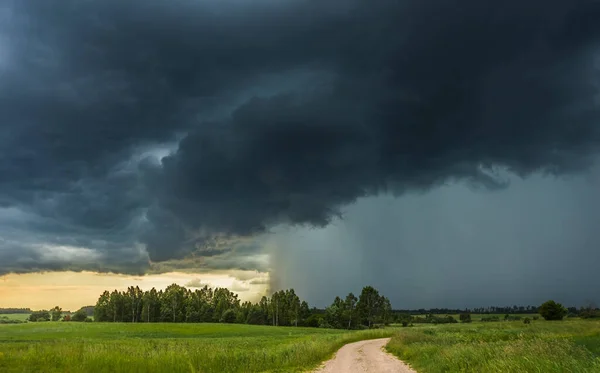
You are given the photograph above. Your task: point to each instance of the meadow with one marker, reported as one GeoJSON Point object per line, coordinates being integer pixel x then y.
{"type": "Point", "coordinates": [572, 345]}
{"type": "Point", "coordinates": [15, 316]}
{"type": "Point", "coordinates": [115, 347]}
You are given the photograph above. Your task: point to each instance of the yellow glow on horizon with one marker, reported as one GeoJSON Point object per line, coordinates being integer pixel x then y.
{"type": "Point", "coordinates": [72, 290]}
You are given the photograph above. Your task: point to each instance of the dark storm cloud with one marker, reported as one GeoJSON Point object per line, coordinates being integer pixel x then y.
{"type": "Point", "coordinates": [451, 247]}
{"type": "Point", "coordinates": [277, 112]}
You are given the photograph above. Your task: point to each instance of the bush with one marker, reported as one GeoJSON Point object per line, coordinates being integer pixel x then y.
{"type": "Point", "coordinates": [552, 310]}
{"type": "Point", "coordinates": [433, 319]}
{"type": "Point", "coordinates": [39, 316]}
{"type": "Point", "coordinates": [527, 320]}
{"type": "Point", "coordinates": [535, 318]}
{"type": "Point", "coordinates": [443, 320]}
{"type": "Point", "coordinates": [228, 316]}
{"type": "Point", "coordinates": [314, 321]}
{"type": "Point", "coordinates": [589, 314]}
{"type": "Point", "coordinates": [465, 317]}
{"type": "Point", "coordinates": [79, 316]}
{"type": "Point", "coordinates": [512, 318]}
{"type": "Point", "coordinates": [404, 323]}
{"type": "Point", "coordinates": [490, 319]}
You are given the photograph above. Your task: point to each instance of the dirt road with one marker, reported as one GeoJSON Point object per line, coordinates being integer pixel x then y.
{"type": "Point", "coordinates": [364, 356]}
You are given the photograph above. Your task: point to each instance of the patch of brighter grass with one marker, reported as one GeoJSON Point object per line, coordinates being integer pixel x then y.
{"type": "Point", "coordinates": [109, 347]}
{"type": "Point", "coordinates": [543, 346]}
{"type": "Point", "coordinates": [15, 316]}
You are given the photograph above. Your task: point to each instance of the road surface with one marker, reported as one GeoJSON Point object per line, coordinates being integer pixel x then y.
{"type": "Point", "coordinates": [364, 356]}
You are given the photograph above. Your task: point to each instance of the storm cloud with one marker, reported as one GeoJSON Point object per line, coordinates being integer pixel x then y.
{"type": "Point", "coordinates": [148, 131]}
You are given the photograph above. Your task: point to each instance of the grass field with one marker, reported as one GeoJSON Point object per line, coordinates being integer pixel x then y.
{"type": "Point", "coordinates": [543, 346]}
{"type": "Point", "coordinates": [108, 347]}
{"type": "Point", "coordinates": [568, 346]}
{"type": "Point", "coordinates": [15, 316]}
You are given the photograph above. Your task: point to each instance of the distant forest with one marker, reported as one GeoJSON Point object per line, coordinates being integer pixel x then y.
{"type": "Point", "coordinates": [283, 308]}
{"type": "Point", "coordinates": [479, 310]}
{"type": "Point", "coordinates": [12, 311]}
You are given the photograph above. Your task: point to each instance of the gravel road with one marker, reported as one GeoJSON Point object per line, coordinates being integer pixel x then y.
{"type": "Point", "coordinates": [364, 356]}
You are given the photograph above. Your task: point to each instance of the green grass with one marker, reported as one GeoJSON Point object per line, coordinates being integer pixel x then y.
{"type": "Point", "coordinates": [15, 316]}
{"type": "Point", "coordinates": [108, 347]}
{"type": "Point", "coordinates": [542, 346]}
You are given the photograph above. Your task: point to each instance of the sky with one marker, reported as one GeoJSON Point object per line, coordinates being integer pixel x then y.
{"type": "Point", "coordinates": [445, 152]}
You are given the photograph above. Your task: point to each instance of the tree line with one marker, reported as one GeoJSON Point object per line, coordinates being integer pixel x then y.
{"type": "Point", "coordinates": [13, 311]}
{"type": "Point", "coordinates": [283, 308]}
{"type": "Point", "coordinates": [477, 310]}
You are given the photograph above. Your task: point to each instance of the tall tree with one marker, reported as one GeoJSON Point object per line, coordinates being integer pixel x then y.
{"type": "Point", "coordinates": [350, 309]}
{"type": "Point", "coordinates": [369, 305]}
{"type": "Point", "coordinates": [173, 302]}
{"type": "Point", "coordinates": [56, 313]}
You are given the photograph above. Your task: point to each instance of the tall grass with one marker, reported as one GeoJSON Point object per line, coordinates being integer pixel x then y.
{"type": "Point", "coordinates": [97, 347]}
{"type": "Point", "coordinates": [568, 346]}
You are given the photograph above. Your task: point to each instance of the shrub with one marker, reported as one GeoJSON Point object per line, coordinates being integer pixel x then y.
{"type": "Point", "coordinates": [228, 316]}
{"type": "Point", "coordinates": [443, 320]}
{"type": "Point", "coordinates": [527, 320]}
{"type": "Point", "coordinates": [79, 316]}
{"type": "Point", "coordinates": [39, 316]}
{"type": "Point", "coordinates": [589, 311]}
{"type": "Point", "coordinates": [536, 318]}
{"type": "Point", "coordinates": [552, 310]}
{"type": "Point", "coordinates": [465, 317]}
{"type": "Point", "coordinates": [490, 319]}
{"type": "Point", "coordinates": [314, 320]}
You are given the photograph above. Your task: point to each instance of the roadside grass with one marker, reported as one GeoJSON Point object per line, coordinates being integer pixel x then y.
{"type": "Point", "coordinates": [543, 346]}
{"type": "Point", "coordinates": [110, 347]}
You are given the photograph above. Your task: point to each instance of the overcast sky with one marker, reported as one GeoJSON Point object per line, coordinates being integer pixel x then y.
{"type": "Point", "coordinates": [443, 151]}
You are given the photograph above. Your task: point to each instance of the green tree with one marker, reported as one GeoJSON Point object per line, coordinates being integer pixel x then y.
{"type": "Point", "coordinates": [369, 305]}
{"type": "Point", "coordinates": [293, 306]}
{"type": "Point", "coordinates": [116, 306]}
{"type": "Point", "coordinates": [151, 306]}
{"type": "Point", "coordinates": [56, 313]}
{"type": "Point", "coordinates": [256, 316]}
{"type": "Point", "coordinates": [223, 300]}
{"type": "Point", "coordinates": [385, 310]}
{"type": "Point", "coordinates": [334, 315]}
{"type": "Point", "coordinates": [102, 309]}
{"type": "Point", "coordinates": [552, 310]}
{"type": "Point", "coordinates": [173, 303]}
{"type": "Point", "coordinates": [350, 310]}
{"type": "Point", "coordinates": [134, 298]}
{"type": "Point", "coordinates": [80, 315]}
{"type": "Point", "coordinates": [228, 316]}
{"type": "Point", "coordinates": [304, 312]}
